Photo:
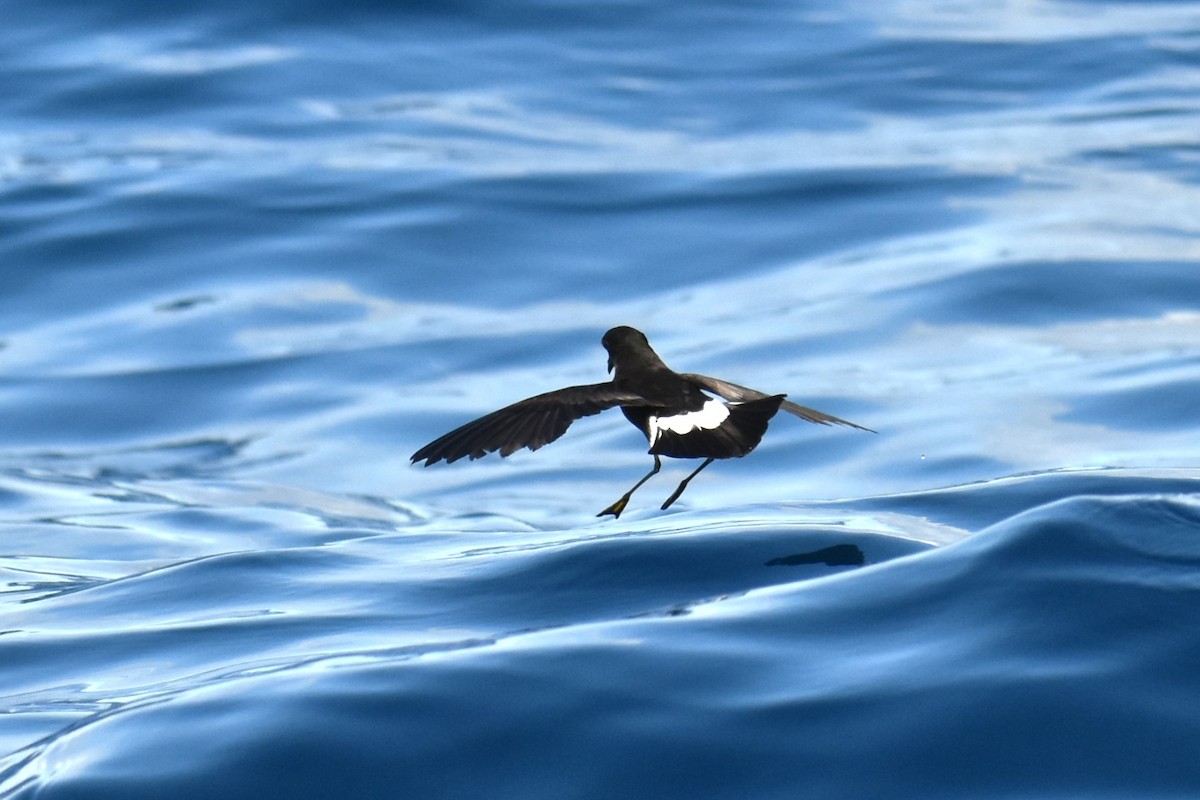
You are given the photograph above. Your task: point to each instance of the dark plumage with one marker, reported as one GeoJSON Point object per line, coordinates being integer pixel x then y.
{"type": "Point", "coordinates": [670, 408]}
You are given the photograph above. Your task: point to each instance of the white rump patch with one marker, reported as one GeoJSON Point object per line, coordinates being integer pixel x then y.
{"type": "Point", "coordinates": [710, 416]}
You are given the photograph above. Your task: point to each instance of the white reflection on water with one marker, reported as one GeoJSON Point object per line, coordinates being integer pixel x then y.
{"type": "Point", "coordinates": [1025, 20]}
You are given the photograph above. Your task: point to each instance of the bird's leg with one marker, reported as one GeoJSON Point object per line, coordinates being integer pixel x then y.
{"type": "Point", "coordinates": [616, 508]}
{"type": "Point", "coordinates": [675, 494]}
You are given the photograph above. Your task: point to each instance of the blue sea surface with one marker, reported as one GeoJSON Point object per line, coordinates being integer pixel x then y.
{"type": "Point", "coordinates": [254, 255]}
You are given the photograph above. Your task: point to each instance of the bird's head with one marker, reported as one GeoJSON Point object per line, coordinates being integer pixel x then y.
{"type": "Point", "coordinates": [622, 342]}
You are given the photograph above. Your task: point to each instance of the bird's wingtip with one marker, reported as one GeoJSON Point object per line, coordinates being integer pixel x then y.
{"type": "Point", "coordinates": [421, 455]}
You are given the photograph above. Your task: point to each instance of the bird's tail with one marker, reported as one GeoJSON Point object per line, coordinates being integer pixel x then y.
{"type": "Point", "coordinates": [737, 435]}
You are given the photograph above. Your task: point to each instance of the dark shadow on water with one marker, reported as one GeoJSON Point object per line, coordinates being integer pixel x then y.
{"type": "Point", "coordinates": [838, 555]}
{"type": "Point", "coordinates": [185, 303]}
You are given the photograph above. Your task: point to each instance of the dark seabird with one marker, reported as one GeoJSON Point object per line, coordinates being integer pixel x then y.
{"type": "Point", "coordinates": [670, 408]}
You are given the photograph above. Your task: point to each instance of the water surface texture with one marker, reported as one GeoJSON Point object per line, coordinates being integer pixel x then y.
{"type": "Point", "coordinates": [253, 255]}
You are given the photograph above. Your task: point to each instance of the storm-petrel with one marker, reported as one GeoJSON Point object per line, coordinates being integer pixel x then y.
{"type": "Point", "coordinates": [670, 408]}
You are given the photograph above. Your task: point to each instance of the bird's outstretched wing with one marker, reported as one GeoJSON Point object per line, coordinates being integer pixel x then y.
{"type": "Point", "coordinates": [530, 423]}
{"type": "Point", "coordinates": [738, 394]}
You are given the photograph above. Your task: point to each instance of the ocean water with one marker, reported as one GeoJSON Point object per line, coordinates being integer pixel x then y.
{"type": "Point", "coordinates": [252, 256]}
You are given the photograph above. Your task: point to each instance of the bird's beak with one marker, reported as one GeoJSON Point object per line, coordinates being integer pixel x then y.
{"type": "Point", "coordinates": [610, 364]}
